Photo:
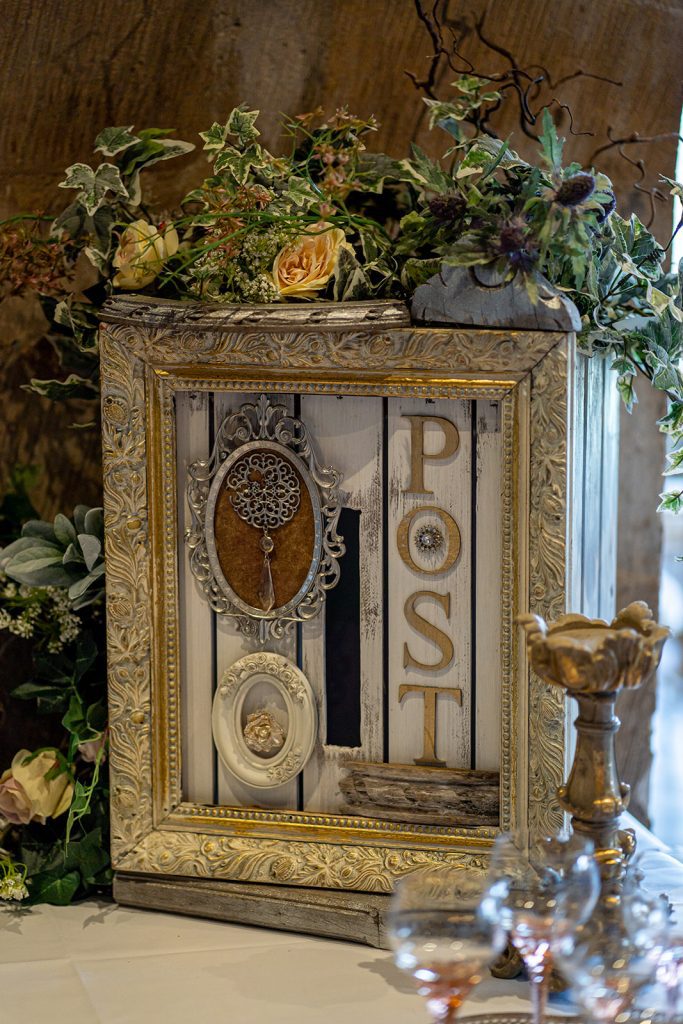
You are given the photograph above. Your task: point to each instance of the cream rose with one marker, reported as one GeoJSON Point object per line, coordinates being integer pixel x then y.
{"type": "Point", "coordinates": [26, 795]}
{"type": "Point", "coordinates": [305, 266]}
{"type": "Point", "coordinates": [141, 254]}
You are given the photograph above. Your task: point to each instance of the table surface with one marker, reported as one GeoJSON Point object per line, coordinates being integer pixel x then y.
{"type": "Point", "coordinates": [98, 963]}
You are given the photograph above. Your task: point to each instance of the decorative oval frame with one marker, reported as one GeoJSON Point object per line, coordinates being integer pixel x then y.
{"type": "Point", "coordinates": [302, 718]}
{"type": "Point", "coordinates": [255, 425]}
{"type": "Point", "coordinates": [209, 529]}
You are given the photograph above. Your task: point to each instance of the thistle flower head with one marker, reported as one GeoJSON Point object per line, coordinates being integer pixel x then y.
{"type": "Point", "coordinates": [447, 208]}
{"type": "Point", "coordinates": [575, 190]}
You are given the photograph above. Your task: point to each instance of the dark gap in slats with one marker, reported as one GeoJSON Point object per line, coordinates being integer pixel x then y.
{"type": "Point", "coordinates": [342, 641]}
{"type": "Point", "coordinates": [473, 588]}
{"type": "Point", "coordinates": [385, 577]}
{"type": "Point", "coordinates": [214, 623]}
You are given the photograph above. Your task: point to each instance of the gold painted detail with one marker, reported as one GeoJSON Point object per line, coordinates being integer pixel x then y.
{"type": "Point", "coordinates": [405, 348]}
{"type": "Point", "coordinates": [128, 595]}
{"type": "Point", "coordinates": [429, 734]}
{"type": "Point", "coordinates": [428, 630]}
{"type": "Point", "coordinates": [323, 865]}
{"type": "Point", "coordinates": [547, 573]}
{"type": "Point", "coordinates": [432, 539]}
{"type": "Point", "coordinates": [418, 456]}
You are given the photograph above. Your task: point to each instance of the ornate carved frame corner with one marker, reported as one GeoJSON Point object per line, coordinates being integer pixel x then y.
{"type": "Point", "coordinates": [151, 350]}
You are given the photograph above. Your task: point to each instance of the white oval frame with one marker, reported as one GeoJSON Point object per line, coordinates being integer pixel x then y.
{"type": "Point", "coordinates": [302, 720]}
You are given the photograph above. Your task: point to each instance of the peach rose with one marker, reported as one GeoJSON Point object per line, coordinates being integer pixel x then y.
{"type": "Point", "coordinates": [26, 795]}
{"type": "Point", "coordinates": [304, 267]}
{"type": "Point", "coordinates": [141, 254]}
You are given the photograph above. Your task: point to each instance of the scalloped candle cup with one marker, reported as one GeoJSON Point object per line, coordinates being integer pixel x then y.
{"type": "Point", "coordinates": [594, 656]}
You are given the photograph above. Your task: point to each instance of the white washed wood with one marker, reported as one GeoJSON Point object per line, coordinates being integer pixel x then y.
{"type": "Point", "coordinates": [450, 480]}
{"type": "Point", "coordinates": [348, 435]}
{"type": "Point", "coordinates": [232, 645]}
{"type": "Point", "coordinates": [195, 616]}
{"type": "Point", "coordinates": [489, 554]}
{"type": "Point", "coordinates": [610, 493]}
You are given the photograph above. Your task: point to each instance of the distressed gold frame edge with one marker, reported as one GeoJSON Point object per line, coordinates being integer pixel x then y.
{"type": "Point", "coordinates": [159, 848]}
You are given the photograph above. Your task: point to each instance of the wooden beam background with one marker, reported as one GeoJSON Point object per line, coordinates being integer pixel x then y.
{"type": "Point", "coordinates": [70, 67]}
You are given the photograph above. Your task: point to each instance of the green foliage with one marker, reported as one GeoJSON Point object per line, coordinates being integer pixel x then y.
{"type": "Point", "coordinates": [68, 553]}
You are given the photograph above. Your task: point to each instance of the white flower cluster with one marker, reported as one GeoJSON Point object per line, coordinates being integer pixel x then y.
{"type": "Point", "coordinates": [13, 888]}
{"type": "Point", "coordinates": [31, 610]}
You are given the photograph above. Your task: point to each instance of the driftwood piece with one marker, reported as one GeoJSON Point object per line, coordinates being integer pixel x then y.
{"type": "Point", "coordinates": [154, 312]}
{"type": "Point", "coordinates": [414, 793]}
{"type": "Point", "coordinates": [478, 296]}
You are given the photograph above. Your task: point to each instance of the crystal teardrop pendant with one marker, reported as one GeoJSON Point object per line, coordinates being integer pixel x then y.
{"type": "Point", "coordinates": [266, 590]}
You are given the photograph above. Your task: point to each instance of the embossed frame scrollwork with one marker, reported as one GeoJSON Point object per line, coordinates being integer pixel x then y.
{"type": "Point", "coordinates": [144, 364]}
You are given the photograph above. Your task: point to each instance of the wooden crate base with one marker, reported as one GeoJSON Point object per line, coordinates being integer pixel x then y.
{"type": "Point", "coordinates": [351, 916]}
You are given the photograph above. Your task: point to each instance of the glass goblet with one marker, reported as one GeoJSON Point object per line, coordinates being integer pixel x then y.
{"type": "Point", "coordinates": [651, 925]}
{"type": "Point", "coordinates": [551, 886]}
{"type": "Point", "coordinates": [441, 937]}
{"type": "Point", "coordinates": [605, 968]}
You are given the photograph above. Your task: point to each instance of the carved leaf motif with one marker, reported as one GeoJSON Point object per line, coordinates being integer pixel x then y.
{"type": "Point", "coordinates": [367, 869]}
{"type": "Point", "coordinates": [547, 579]}
{"type": "Point", "coordinates": [409, 348]}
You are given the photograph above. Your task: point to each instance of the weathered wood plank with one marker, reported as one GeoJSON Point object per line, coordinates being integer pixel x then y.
{"type": "Point", "coordinates": [418, 588]}
{"type": "Point", "coordinates": [232, 645]}
{"type": "Point", "coordinates": [195, 616]}
{"type": "Point", "coordinates": [489, 571]}
{"type": "Point", "coordinates": [354, 917]}
{"type": "Point", "coordinates": [348, 436]}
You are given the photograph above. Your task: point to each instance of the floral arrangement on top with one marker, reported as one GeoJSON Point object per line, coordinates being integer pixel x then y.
{"type": "Point", "coordinates": [329, 222]}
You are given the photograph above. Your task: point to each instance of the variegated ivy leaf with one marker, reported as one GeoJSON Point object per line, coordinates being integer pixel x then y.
{"type": "Point", "coordinates": [302, 192]}
{"type": "Point", "coordinates": [111, 141]}
{"type": "Point", "coordinates": [93, 185]}
{"type": "Point", "coordinates": [214, 139]}
{"type": "Point", "coordinates": [672, 501]}
{"type": "Point", "coordinates": [242, 124]}
{"type": "Point", "coordinates": [58, 390]}
{"type": "Point", "coordinates": [675, 466]}
{"type": "Point", "coordinates": [239, 164]}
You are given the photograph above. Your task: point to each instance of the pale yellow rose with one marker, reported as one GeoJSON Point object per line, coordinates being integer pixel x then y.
{"type": "Point", "coordinates": [26, 795]}
{"type": "Point", "coordinates": [141, 254]}
{"type": "Point", "coordinates": [304, 267]}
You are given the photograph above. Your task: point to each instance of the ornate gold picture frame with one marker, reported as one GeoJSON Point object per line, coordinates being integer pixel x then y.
{"type": "Point", "coordinates": [152, 350]}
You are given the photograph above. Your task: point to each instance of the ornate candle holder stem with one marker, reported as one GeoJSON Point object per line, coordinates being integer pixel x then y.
{"type": "Point", "coordinates": [593, 660]}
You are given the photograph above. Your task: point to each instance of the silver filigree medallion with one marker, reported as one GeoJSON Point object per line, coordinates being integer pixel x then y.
{"type": "Point", "coordinates": [264, 462]}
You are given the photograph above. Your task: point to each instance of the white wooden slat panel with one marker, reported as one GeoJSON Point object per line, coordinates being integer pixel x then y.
{"type": "Point", "coordinates": [610, 494]}
{"type": "Point", "coordinates": [348, 436]}
{"type": "Point", "coordinates": [592, 497]}
{"type": "Point", "coordinates": [575, 492]}
{"type": "Point", "coordinates": [196, 662]}
{"type": "Point", "coordinates": [489, 556]}
{"type": "Point", "coordinates": [450, 480]}
{"type": "Point", "coordinates": [231, 645]}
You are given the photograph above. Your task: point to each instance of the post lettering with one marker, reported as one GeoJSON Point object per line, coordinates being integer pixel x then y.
{"type": "Point", "coordinates": [428, 630]}
{"type": "Point", "coordinates": [429, 737]}
{"type": "Point", "coordinates": [418, 456]}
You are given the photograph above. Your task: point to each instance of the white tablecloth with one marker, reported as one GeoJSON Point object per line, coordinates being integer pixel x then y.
{"type": "Point", "coordinates": [103, 964]}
